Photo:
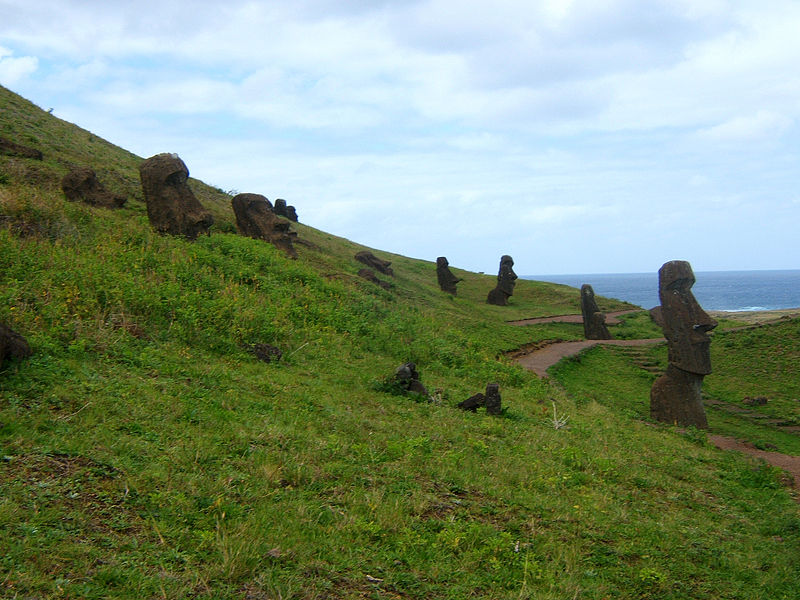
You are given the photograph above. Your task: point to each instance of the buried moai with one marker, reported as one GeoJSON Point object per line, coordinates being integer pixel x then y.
{"type": "Point", "coordinates": [506, 280]}
{"type": "Point", "coordinates": [256, 219]}
{"type": "Point", "coordinates": [594, 321]}
{"type": "Point", "coordinates": [407, 377]}
{"type": "Point", "coordinates": [447, 281]}
{"type": "Point", "coordinates": [368, 258]}
{"type": "Point", "coordinates": [491, 400]}
{"type": "Point", "coordinates": [676, 396]}
{"type": "Point", "coordinates": [81, 185]}
{"type": "Point", "coordinates": [171, 206]}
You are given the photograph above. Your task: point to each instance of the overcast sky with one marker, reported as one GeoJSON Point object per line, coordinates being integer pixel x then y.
{"type": "Point", "coordinates": [583, 136]}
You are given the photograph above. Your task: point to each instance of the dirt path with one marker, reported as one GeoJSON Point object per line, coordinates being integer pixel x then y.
{"type": "Point", "coordinates": [611, 318]}
{"type": "Point", "coordinates": [787, 462]}
{"type": "Point", "coordinates": [543, 358]}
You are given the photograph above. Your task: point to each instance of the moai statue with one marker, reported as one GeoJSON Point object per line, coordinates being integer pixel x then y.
{"type": "Point", "coordinates": [81, 185]}
{"type": "Point", "coordinates": [368, 258]}
{"type": "Point", "coordinates": [284, 210]}
{"type": "Point", "coordinates": [594, 322]}
{"type": "Point", "coordinates": [675, 396]}
{"type": "Point", "coordinates": [506, 280]}
{"type": "Point", "coordinates": [447, 281]}
{"type": "Point", "coordinates": [491, 400]}
{"type": "Point", "coordinates": [408, 377]}
{"type": "Point", "coordinates": [255, 219]}
{"type": "Point", "coordinates": [171, 206]}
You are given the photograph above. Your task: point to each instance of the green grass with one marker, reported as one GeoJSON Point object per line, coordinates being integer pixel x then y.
{"type": "Point", "coordinates": [146, 453]}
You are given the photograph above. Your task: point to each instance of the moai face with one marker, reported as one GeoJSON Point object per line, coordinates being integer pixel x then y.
{"type": "Point", "coordinates": [686, 324]}
{"type": "Point", "coordinates": [588, 303]}
{"type": "Point", "coordinates": [506, 278]}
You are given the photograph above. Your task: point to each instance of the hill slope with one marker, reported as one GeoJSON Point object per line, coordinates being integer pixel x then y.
{"type": "Point", "coordinates": [146, 452]}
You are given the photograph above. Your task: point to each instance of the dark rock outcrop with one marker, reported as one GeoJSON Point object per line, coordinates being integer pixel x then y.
{"type": "Point", "coordinates": [372, 261]}
{"type": "Point", "coordinates": [255, 218]}
{"type": "Point", "coordinates": [447, 281]}
{"type": "Point", "coordinates": [676, 396]}
{"type": "Point", "coordinates": [12, 345]}
{"type": "Point", "coordinates": [369, 275]}
{"type": "Point", "coordinates": [10, 148]}
{"type": "Point", "coordinates": [594, 321]}
{"type": "Point", "coordinates": [171, 206]}
{"type": "Point", "coordinates": [506, 280]}
{"type": "Point", "coordinates": [81, 185]}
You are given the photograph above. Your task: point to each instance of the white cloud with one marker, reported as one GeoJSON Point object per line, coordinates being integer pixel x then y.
{"type": "Point", "coordinates": [762, 126]}
{"type": "Point", "coordinates": [12, 70]}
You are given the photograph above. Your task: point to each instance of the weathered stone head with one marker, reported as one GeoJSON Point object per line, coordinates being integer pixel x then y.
{"type": "Point", "coordinates": [81, 185]}
{"type": "Point", "coordinates": [447, 281]}
{"type": "Point", "coordinates": [171, 206]}
{"type": "Point", "coordinates": [676, 396]}
{"type": "Point", "coordinates": [256, 219]}
{"type": "Point", "coordinates": [686, 324]}
{"type": "Point", "coordinates": [506, 280]}
{"type": "Point", "coordinates": [594, 321]}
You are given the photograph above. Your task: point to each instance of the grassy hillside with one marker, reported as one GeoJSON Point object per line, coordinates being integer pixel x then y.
{"type": "Point", "coordinates": [146, 453]}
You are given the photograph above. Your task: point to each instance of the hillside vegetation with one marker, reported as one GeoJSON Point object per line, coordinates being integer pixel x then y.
{"type": "Point", "coordinates": [145, 452]}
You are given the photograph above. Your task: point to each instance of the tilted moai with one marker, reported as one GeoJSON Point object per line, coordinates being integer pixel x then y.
{"type": "Point", "coordinates": [282, 210]}
{"type": "Point", "coordinates": [368, 258]}
{"type": "Point", "coordinates": [676, 396]}
{"type": "Point", "coordinates": [171, 206]}
{"type": "Point", "coordinates": [594, 322]}
{"type": "Point", "coordinates": [506, 280]}
{"type": "Point", "coordinates": [81, 185]}
{"type": "Point", "coordinates": [256, 219]}
{"type": "Point", "coordinates": [447, 281]}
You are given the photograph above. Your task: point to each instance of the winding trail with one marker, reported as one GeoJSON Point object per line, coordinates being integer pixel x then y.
{"type": "Point", "coordinates": [540, 359]}
{"type": "Point", "coordinates": [611, 318]}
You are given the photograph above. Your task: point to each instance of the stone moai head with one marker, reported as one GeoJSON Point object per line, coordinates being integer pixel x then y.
{"type": "Point", "coordinates": [588, 303]}
{"type": "Point", "coordinates": [171, 206]}
{"type": "Point", "coordinates": [506, 278]}
{"type": "Point", "coordinates": [686, 324]}
{"type": "Point", "coordinates": [442, 263]}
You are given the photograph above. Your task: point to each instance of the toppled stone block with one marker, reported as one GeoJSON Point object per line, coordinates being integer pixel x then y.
{"type": "Point", "coordinates": [12, 345]}
{"type": "Point", "coordinates": [447, 281]}
{"type": "Point", "coordinates": [171, 206]}
{"type": "Point", "coordinates": [255, 218]}
{"type": "Point", "coordinates": [506, 280]}
{"type": "Point", "coordinates": [10, 148]}
{"type": "Point", "coordinates": [372, 261]}
{"type": "Point", "coordinates": [81, 185]}
{"type": "Point", "coordinates": [490, 399]}
{"type": "Point", "coordinates": [369, 275]}
{"type": "Point", "coordinates": [473, 402]}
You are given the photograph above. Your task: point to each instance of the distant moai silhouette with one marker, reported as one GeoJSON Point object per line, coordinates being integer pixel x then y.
{"type": "Point", "coordinates": [594, 321]}
{"type": "Point", "coordinates": [676, 396]}
{"type": "Point", "coordinates": [506, 280]}
{"type": "Point", "coordinates": [256, 219]}
{"type": "Point", "coordinates": [447, 281]}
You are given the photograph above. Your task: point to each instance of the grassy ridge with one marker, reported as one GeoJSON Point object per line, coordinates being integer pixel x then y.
{"type": "Point", "coordinates": [146, 453]}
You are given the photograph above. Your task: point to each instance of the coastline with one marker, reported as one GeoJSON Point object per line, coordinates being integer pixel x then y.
{"type": "Point", "coordinates": [755, 317]}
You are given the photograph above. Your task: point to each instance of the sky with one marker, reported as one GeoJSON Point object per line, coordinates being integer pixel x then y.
{"type": "Point", "coordinates": [578, 136]}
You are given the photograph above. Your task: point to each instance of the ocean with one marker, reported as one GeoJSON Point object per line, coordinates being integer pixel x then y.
{"type": "Point", "coordinates": [714, 290]}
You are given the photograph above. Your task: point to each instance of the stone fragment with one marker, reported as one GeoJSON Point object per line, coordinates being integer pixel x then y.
{"type": "Point", "coordinates": [473, 402]}
{"type": "Point", "coordinates": [256, 219]}
{"type": "Point", "coordinates": [676, 396]}
{"type": "Point", "coordinates": [171, 206]}
{"type": "Point", "coordinates": [506, 280]}
{"type": "Point", "coordinates": [594, 321]}
{"type": "Point", "coordinates": [10, 148]}
{"type": "Point", "coordinates": [369, 275]}
{"type": "Point", "coordinates": [408, 378]}
{"type": "Point", "coordinates": [12, 345]}
{"type": "Point", "coordinates": [266, 352]}
{"type": "Point", "coordinates": [447, 281]}
{"type": "Point", "coordinates": [372, 261]}
{"type": "Point", "coordinates": [81, 185]}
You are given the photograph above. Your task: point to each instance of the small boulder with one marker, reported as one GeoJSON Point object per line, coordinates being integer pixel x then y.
{"type": "Point", "coordinates": [12, 345]}
{"type": "Point", "coordinates": [81, 185]}
{"type": "Point", "coordinates": [490, 399]}
{"type": "Point", "coordinates": [372, 261]}
{"type": "Point", "coordinates": [171, 206]}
